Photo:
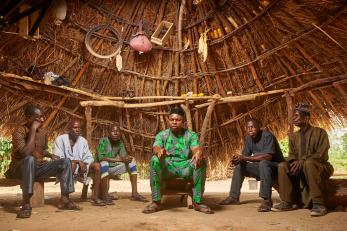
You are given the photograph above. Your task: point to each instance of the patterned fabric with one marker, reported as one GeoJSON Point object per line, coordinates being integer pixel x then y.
{"type": "Point", "coordinates": [178, 163]}
{"type": "Point", "coordinates": [118, 169]}
{"type": "Point", "coordinates": [178, 148]}
{"type": "Point", "coordinates": [182, 169]}
{"type": "Point", "coordinates": [19, 139]}
{"type": "Point", "coordinates": [106, 150]}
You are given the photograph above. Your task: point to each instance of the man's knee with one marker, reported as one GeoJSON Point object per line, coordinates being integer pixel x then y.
{"type": "Point", "coordinates": [96, 167]}
{"type": "Point", "coordinates": [283, 167]}
{"type": "Point", "coordinates": [155, 160]}
{"type": "Point", "coordinates": [29, 160]}
{"type": "Point", "coordinates": [264, 164]}
{"type": "Point", "coordinates": [310, 165]}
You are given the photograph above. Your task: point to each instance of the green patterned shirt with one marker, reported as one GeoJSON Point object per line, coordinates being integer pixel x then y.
{"type": "Point", "coordinates": [178, 148]}
{"type": "Point", "coordinates": [106, 150]}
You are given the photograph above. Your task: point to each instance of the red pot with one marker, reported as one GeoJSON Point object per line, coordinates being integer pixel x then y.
{"type": "Point", "coordinates": [140, 42]}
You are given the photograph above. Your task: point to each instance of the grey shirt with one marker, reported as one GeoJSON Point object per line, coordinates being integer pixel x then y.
{"type": "Point", "coordinates": [266, 144]}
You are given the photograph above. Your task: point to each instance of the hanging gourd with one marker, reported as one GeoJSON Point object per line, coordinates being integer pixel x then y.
{"type": "Point", "coordinates": [59, 11]}
{"type": "Point", "coordinates": [139, 42]}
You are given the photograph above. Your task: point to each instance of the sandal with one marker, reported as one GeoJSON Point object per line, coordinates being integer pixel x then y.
{"type": "Point", "coordinates": [230, 201]}
{"type": "Point", "coordinates": [109, 201]}
{"type": "Point", "coordinates": [202, 208]}
{"type": "Point", "coordinates": [138, 197]}
{"type": "Point", "coordinates": [69, 206]}
{"type": "Point", "coordinates": [24, 212]}
{"type": "Point", "coordinates": [152, 208]}
{"type": "Point", "coordinates": [111, 197]}
{"type": "Point", "coordinates": [98, 202]}
{"type": "Point", "coordinates": [265, 206]}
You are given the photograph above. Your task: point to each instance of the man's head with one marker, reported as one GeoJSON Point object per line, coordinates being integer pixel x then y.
{"type": "Point", "coordinates": [176, 119]}
{"type": "Point", "coordinates": [75, 129]}
{"type": "Point", "coordinates": [253, 127]}
{"type": "Point", "coordinates": [301, 115]}
{"type": "Point", "coordinates": [114, 132]}
{"type": "Point", "coordinates": [33, 113]}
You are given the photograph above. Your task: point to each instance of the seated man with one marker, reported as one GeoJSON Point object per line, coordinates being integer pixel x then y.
{"type": "Point", "coordinates": [114, 160]}
{"type": "Point", "coordinates": [177, 153]}
{"type": "Point", "coordinates": [29, 148]}
{"type": "Point", "coordinates": [260, 157]}
{"type": "Point", "coordinates": [307, 166]}
{"type": "Point", "coordinates": [74, 147]}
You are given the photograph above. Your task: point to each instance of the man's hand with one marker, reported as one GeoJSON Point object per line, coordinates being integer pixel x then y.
{"type": "Point", "coordinates": [296, 167]}
{"type": "Point", "coordinates": [197, 157]}
{"type": "Point", "coordinates": [54, 157]}
{"type": "Point", "coordinates": [35, 125]}
{"type": "Point", "coordinates": [40, 162]}
{"type": "Point", "coordinates": [83, 166]}
{"type": "Point", "coordinates": [161, 153]}
{"type": "Point", "coordinates": [238, 159]}
{"type": "Point", "coordinates": [127, 159]}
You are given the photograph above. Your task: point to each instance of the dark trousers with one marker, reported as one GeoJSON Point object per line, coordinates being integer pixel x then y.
{"type": "Point", "coordinates": [265, 171]}
{"type": "Point", "coordinates": [308, 185]}
{"type": "Point", "coordinates": [28, 171]}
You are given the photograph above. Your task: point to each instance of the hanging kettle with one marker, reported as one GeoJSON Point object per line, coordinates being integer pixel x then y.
{"type": "Point", "coordinates": [139, 42]}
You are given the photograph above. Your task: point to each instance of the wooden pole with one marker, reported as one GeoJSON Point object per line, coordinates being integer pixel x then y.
{"type": "Point", "coordinates": [186, 109]}
{"type": "Point", "coordinates": [206, 122]}
{"type": "Point", "coordinates": [290, 107]}
{"type": "Point", "coordinates": [89, 129]}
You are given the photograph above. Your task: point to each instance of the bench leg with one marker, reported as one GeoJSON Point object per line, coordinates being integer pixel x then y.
{"type": "Point", "coordinates": [38, 199]}
{"type": "Point", "coordinates": [189, 201]}
{"type": "Point", "coordinates": [84, 192]}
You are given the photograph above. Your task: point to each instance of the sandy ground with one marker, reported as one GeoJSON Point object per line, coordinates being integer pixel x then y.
{"type": "Point", "coordinates": [126, 214]}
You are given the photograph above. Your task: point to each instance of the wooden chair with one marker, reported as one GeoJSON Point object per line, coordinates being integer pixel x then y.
{"type": "Point", "coordinates": [179, 186]}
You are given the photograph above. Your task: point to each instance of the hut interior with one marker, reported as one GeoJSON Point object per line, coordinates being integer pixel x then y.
{"type": "Point", "coordinates": [223, 61]}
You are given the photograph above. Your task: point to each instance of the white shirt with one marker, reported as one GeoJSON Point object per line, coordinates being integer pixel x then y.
{"type": "Point", "coordinates": [80, 150]}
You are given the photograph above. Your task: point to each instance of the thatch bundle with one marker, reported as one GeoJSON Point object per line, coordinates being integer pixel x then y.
{"type": "Point", "coordinates": [263, 56]}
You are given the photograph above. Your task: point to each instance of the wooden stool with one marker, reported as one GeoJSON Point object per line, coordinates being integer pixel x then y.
{"type": "Point", "coordinates": [179, 186]}
{"type": "Point", "coordinates": [38, 199]}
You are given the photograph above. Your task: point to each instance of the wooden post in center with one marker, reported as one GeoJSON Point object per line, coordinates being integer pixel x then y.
{"type": "Point", "coordinates": [89, 129]}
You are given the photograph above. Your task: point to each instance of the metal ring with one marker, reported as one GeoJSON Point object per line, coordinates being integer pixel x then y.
{"type": "Point", "coordinates": [96, 28]}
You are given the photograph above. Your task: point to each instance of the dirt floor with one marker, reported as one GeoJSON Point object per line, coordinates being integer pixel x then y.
{"type": "Point", "coordinates": [127, 215]}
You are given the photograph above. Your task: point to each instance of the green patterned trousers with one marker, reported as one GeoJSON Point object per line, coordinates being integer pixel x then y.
{"type": "Point", "coordinates": [166, 169]}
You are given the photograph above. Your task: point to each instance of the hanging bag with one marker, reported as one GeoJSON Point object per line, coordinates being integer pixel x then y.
{"type": "Point", "coordinates": [139, 42]}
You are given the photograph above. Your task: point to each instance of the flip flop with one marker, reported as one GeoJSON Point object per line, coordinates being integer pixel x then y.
{"type": "Point", "coordinates": [265, 206]}
{"type": "Point", "coordinates": [138, 197]}
{"type": "Point", "coordinates": [152, 208]}
{"type": "Point", "coordinates": [98, 202]}
{"type": "Point", "coordinates": [109, 201]}
{"type": "Point", "coordinates": [202, 208]}
{"type": "Point", "coordinates": [69, 206]}
{"type": "Point", "coordinates": [24, 213]}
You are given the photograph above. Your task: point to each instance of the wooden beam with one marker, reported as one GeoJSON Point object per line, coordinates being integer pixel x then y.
{"type": "Point", "coordinates": [206, 122]}
{"type": "Point", "coordinates": [89, 128]}
{"type": "Point", "coordinates": [290, 107]}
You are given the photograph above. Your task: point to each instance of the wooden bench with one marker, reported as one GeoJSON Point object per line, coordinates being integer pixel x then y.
{"type": "Point", "coordinates": [38, 199]}
{"type": "Point", "coordinates": [179, 186]}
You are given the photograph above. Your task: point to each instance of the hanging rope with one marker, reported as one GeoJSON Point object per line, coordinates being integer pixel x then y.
{"type": "Point", "coordinates": [119, 44]}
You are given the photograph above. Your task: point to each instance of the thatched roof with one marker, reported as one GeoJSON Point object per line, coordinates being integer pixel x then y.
{"type": "Point", "coordinates": [261, 56]}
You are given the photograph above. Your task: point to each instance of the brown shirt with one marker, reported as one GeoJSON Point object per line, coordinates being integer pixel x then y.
{"type": "Point", "coordinates": [19, 140]}
{"type": "Point", "coordinates": [315, 145]}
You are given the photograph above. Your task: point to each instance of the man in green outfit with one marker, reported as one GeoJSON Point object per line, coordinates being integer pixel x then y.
{"type": "Point", "coordinates": [114, 160]}
{"type": "Point", "coordinates": [177, 153]}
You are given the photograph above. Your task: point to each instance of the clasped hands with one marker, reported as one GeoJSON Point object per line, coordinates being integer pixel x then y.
{"type": "Point", "coordinates": [238, 159]}
{"type": "Point", "coordinates": [196, 158]}
{"type": "Point", "coordinates": [296, 166]}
